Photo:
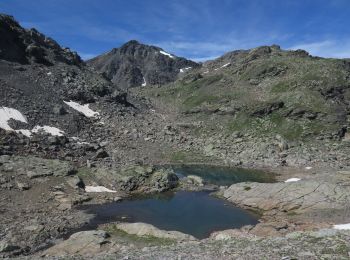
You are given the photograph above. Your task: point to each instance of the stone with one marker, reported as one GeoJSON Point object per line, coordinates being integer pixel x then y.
{"type": "Point", "coordinates": [100, 154]}
{"type": "Point", "coordinates": [196, 180]}
{"type": "Point", "coordinates": [75, 182]}
{"type": "Point", "coordinates": [23, 185]}
{"type": "Point", "coordinates": [117, 199]}
{"type": "Point", "coordinates": [39, 173]}
{"type": "Point", "coordinates": [34, 228]}
{"type": "Point", "coordinates": [143, 229]}
{"type": "Point", "coordinates": [163, 180]}
{"type": "Point", "coordinates": [7, 247]}
{"type": "Point", "coordinates": [80, 243]}
{"type": "Point", "coordinates": [59, 110]}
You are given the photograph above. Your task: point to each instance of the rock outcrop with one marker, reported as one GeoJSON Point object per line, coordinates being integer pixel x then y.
{"type": "Point", "coordinates": [147, 230]}
{"type": "Point", "coordinates": [30, 46]}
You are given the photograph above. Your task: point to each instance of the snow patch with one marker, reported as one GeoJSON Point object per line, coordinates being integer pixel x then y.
{"type": "Point", "coordinates": [48, 129]}
{"type": "Point", "coordinates": [25, 132]}
{"type": "Point", "coordinates": [308, 168]}
{"type": "Point", "coordinates": [292, 180]}
{"type": "Point", "coordinates": [205, 72]}
{"type": "Point", "coordinates": [167, 54]}
{"type": "Point", "coordinates": [225, 65]}
{"type": "Point", "coordinates": [84, 109]}
{"type": "Point", "coordinates": [144, 83]}
{"type": "Point", "coordinates": [342, 226]}
{"type": "Point", "coordinates": [185, 69]}
{"type": "Point", "coordinates": [97, 189]}
{"type": "Point", "coordinates": [7, 113]}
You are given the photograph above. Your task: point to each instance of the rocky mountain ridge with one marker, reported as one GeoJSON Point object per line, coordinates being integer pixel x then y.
{"type": "Point", "coordinates": [30, 46]}
{"type": "Point", "coordinates": [135, 64]}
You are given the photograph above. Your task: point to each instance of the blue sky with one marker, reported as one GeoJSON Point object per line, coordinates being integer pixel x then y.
{"type": "Point", "coordinates": [196, 29]}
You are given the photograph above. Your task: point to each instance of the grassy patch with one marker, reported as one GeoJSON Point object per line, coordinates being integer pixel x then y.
{"type": "Point", "coordinates": [199, 99]}
{"type": "Point", "coordinates": [84, 172]}
{"type": "Point", "coordinates": [178, 156]}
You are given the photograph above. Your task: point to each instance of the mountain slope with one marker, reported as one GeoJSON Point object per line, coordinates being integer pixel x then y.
{"type": "Point", "coordinates": [267, 91]}
{"type": "Point", "coordinates": [135, 64]}
{"type": "Point", "coordinates": [38, 79]}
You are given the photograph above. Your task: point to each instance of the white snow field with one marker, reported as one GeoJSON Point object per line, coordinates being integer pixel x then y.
{"type": "Point", "coordinates": [167, 54]}
{"type": "Point", "coordinates": [342, 226]}
{"type": "Point", "coordinates": [6, 114]}
{"type": "Point", "coordinates": [97, 189]}
{"type": "Point", "coordinates": [292, 180]}
{"type": "Point", "coordinates": [48, 129]}
{"type": "Point", "coordinates": [84, 109]}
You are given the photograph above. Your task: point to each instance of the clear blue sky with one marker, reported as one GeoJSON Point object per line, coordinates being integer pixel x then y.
{"type": "Point", "coordinates": [196, 29]}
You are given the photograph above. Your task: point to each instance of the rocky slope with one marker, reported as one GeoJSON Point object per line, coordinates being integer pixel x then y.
{"type": "Point", "coordinates": [135, 64]}
{"type": "Point", "coordinates": [267, 91]}
{"type": "Point", "coordinates": [254, 103]}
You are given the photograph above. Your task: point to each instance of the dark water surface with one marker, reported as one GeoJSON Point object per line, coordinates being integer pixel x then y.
{"type": "Point", "coordinates": [195, 213]}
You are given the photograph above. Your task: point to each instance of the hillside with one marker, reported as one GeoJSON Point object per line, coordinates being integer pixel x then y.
{"type": "Point", "coordinates": [267, 91]}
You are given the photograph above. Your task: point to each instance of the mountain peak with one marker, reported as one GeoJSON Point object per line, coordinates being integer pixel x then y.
{"type": "Point", "coordinates": [135, 64]}
{"type": "Point", "coordinates": [132, 42]}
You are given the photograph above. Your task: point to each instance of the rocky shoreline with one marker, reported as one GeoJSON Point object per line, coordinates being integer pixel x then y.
{"type": "Point", "coordinates": [39, 206]}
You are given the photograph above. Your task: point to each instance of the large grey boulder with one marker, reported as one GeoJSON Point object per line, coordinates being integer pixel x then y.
{"type": "Point", "coordinates": [143, 229]}
{"type": "Point", "coordinates": [163, 180]}
{"type": "Point", "coordinates": [81, 243]}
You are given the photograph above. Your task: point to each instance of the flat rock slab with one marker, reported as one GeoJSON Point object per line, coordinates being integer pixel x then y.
{"type": "Point", "coordinates": [143, 229]}
{"type": "Point", "coordinates": [321, 194]}
{"type": "Point", "coordinates": [81, 243]}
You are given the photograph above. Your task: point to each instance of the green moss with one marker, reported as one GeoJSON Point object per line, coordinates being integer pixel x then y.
{"type": "Point", "coordinates": [84, 172]}
{"type": "Point", "coordinates": [178, 156]}
{"type": "Point", "coordinates": [281, 87]}
{"type": "Point", "coordinates": [292, 213]}
{"type": "Point", "coordinates": [197, 100]}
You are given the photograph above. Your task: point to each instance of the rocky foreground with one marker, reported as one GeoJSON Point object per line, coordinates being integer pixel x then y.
{"type": "Point", "coordinates": [39, 215]}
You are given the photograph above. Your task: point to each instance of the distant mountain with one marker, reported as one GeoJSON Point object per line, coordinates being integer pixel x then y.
{"type": "Point", "coordinates": [135, 64]}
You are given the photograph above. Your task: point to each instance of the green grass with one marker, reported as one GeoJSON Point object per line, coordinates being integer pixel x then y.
{"type": "Point", "coordinates": [178, 156]}
{"type": "Point", "coordinates": [197, 100]}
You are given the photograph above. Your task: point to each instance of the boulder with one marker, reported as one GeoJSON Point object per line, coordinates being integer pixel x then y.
{"type": "Point", "coordinates": [195, 180]}
{"type": "Point", "coordinates": [81, 243]}
{"type": "Point", "coordinates": [75, 182]}
{"type": "Point", "coordinates": [163, 180]}
{"type": "Point", "coordinates": [143, 229]}
{"type": "Point", "coordinates": [7, 247]}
